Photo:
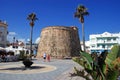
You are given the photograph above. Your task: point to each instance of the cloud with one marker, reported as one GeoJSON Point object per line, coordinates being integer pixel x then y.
{"type": "Point", "coordinates": [37, 40]}
{"type": "Point", "coordinates": [23, 40]}
{"type": "Point", "coordinates": [11, 35]}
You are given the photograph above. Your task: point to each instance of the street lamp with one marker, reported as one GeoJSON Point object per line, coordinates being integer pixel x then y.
{"type": "Point", "coordinates": [32, 18]}
{"type": "Point", "coordinates": [13, 42]}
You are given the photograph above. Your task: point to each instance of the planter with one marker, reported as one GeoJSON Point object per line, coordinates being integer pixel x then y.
{"type": "Point", "coordinates": [27, 63]}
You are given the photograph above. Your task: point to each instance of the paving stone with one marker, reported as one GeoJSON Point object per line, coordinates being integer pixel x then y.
{"type": "Point", "coordinates": [64, 68]}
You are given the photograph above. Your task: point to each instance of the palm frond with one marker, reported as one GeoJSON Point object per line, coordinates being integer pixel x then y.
{"type": "Point", "coordinates": [32, 17]}
{"type": "Point", "coordinates": [86, 13]}
{"type": "Point", "coordinates": [81, 11]}
{"type": "Point", "coordinates": [115, 52]}
{"type": "Point", "coordinates": [87, 57]}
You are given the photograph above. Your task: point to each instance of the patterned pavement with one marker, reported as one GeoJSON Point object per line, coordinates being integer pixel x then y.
{"type": "Point", "coordinates": [61, 71]}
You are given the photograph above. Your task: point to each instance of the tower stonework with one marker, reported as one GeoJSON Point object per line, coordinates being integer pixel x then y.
{"type": "Point", "coordinates": [59, 42]}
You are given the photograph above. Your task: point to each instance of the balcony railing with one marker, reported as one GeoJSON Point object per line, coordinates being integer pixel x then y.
{"type": "Point", "coordinates": [99, 48]}
{"type": "Point", "coordinates": [102, 42]}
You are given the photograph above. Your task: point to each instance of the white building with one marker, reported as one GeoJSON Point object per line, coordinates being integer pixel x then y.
{"type": "Point", "coordinates": [3, 34]}
{"type": "Point", "coordinates": [87, 46]}
{"type": "Point", "coordinates": [105, 41]}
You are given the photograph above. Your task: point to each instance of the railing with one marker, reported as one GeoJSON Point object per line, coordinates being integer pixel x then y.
{"type": "Point", "coordinates": [103, 42]}
{"type": "Point", "coordinates": [100, 48]}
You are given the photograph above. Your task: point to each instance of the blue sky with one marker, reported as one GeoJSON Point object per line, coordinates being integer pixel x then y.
{"type": "Point", "coordinates": [104, 16]}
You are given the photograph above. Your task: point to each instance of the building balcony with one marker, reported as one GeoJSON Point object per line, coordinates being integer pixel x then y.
{"type": "Point", "coordinates": [106, 42]}
{"type": "Point", "coordinates": [100, 48]}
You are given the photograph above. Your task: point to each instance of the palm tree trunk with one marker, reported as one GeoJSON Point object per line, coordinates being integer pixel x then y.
{"type": "Point", "coordinates": [31, 32]}
{"type": "Point", "coordinates": [83, 37]}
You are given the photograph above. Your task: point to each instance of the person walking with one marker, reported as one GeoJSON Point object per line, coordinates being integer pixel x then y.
{"type": "Point", "coordinates": [44, 57]}
{"type": "Point", "coordinates": [48, 57]}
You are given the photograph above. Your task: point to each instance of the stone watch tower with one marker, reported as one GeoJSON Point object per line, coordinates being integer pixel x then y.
{"type": "Point", "coordinates": [59, 42]}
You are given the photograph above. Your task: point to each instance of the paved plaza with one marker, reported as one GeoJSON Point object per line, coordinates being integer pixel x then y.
{"type": "Point", "coordinates": [56, 69]}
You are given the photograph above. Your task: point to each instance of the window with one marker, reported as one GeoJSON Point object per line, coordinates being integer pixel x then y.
{"type": "Point", "coordinates": [114, 39]}
{"type": "Point", "coordinates": [109, 39]}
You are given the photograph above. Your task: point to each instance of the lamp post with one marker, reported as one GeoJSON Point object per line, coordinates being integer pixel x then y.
{"type": "Point", "coordinates": [32, 18]}
{"type": "Point", "coordinates": [13, 42]}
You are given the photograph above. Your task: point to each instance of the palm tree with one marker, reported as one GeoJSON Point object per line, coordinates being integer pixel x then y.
{"type": "Point", "coordinates": [81, 11]}
{"type": "Point", "coordinates": [32, 18]}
